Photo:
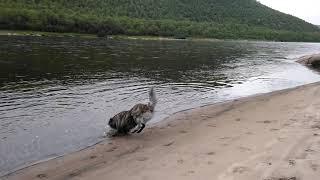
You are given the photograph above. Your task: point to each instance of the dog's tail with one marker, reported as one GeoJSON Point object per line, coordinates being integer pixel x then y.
{"type": "Point", "coordinates": [152, 98]}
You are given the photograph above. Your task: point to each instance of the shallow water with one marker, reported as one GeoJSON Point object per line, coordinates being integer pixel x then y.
{"type": "Point", "coordinates": [57, 93]}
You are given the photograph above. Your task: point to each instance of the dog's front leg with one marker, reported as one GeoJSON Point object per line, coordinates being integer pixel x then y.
{"type": "Point", "coordinates": [136, 129]}
{"type": "Point", "coordinates": [142, 127]}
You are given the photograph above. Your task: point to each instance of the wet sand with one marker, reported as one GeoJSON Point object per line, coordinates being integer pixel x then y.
{"type": "Point", "coordinates": [269, 137]}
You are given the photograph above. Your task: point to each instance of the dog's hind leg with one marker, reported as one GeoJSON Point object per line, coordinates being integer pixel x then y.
{"type": "Point", "coordinates": [142, 127]}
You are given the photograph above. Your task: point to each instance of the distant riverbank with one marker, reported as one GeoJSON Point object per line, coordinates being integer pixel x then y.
{"type": "Point", "coordinates": [41, 33]}
{"type": "Point", "coordinates": [124, 37]}
{"type": "Point", "coordinates": [83, 35]}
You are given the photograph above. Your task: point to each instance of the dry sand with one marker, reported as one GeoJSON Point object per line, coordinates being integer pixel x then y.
{"type": "Point", "coordinates": [274, 136]}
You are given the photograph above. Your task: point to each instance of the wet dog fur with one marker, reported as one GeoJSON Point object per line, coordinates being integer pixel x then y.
{"type": "Point", "coordinates": [136, 118]}
{"type": "Point", "coordinates": [122, 123]}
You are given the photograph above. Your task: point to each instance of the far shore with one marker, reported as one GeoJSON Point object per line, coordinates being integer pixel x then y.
{"type": "Point", "coordinates": [126, 37]}
{"type": "Point", "coordinates": [273, 136]}
{"type": "Point", "coordinates": [42, 33]}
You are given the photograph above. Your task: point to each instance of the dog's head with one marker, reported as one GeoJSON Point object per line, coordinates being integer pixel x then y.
{"type": "Point", "coordinates": [112, 123]}
{"type": "Point", "coordinates": [147, 116]}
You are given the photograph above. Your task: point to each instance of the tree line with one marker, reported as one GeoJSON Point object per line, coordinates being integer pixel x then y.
{"type": "Point", "coordinates": [105, 17]}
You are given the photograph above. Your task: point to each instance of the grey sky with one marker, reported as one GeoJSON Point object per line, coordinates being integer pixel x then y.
{"type": "Point", "coordinates": [308, 10]}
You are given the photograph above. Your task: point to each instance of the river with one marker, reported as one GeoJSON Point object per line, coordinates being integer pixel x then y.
{"type": "Point", "coordinates": [56, 94]}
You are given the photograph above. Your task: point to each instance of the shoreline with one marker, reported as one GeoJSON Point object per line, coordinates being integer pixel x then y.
{"type": "Point", "coordinates": [130, 37]}
{"type": "Point", "coordinates": [125, 37]}
{"type": "Point", "coordinates": [176, 140]}
{"type": "Point", "coordinates": [120, 37]}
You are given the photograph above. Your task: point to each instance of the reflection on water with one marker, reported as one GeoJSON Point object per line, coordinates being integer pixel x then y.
{"type": "Point", "coordinates": [56, 93]}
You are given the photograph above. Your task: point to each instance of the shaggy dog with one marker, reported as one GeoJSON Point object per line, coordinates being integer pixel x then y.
{"type": "Point", "coordinates": [136, 118]}
{"type": "Point", "coordinates": [122, 122]}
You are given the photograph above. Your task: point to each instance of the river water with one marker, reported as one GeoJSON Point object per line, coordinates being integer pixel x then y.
{"type": "Point", "coordinates": [57, 93]}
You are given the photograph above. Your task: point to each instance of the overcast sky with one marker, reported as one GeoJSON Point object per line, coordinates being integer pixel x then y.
{"type": "Point", "coordinates": [308, 10]}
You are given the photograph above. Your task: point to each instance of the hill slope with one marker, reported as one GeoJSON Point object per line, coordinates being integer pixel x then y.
{"type": "Point", "coordinates": [204, 18]}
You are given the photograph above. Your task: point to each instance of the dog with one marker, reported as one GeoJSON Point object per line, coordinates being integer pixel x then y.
{"type": "Point", "coordinates": [122, 123]}
{"type": "Point", "coordinates": [135, 119]}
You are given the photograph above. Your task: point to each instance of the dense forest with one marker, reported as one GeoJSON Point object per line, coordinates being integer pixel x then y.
{"type": "Point", "coordinates": [222, 19]}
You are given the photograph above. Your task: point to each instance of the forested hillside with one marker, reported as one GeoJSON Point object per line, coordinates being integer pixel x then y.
{"type": "Point", "coordinates": [236, 19]}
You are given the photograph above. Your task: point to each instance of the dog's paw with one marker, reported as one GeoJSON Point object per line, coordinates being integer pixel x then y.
{"type": "Point", "coordinates": [135, 130]}
{"type": "Point", "coordinates": [110, 133]}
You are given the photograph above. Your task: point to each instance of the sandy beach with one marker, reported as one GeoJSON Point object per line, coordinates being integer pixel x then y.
{"type": "Point", "coordinates": [274, 136]}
